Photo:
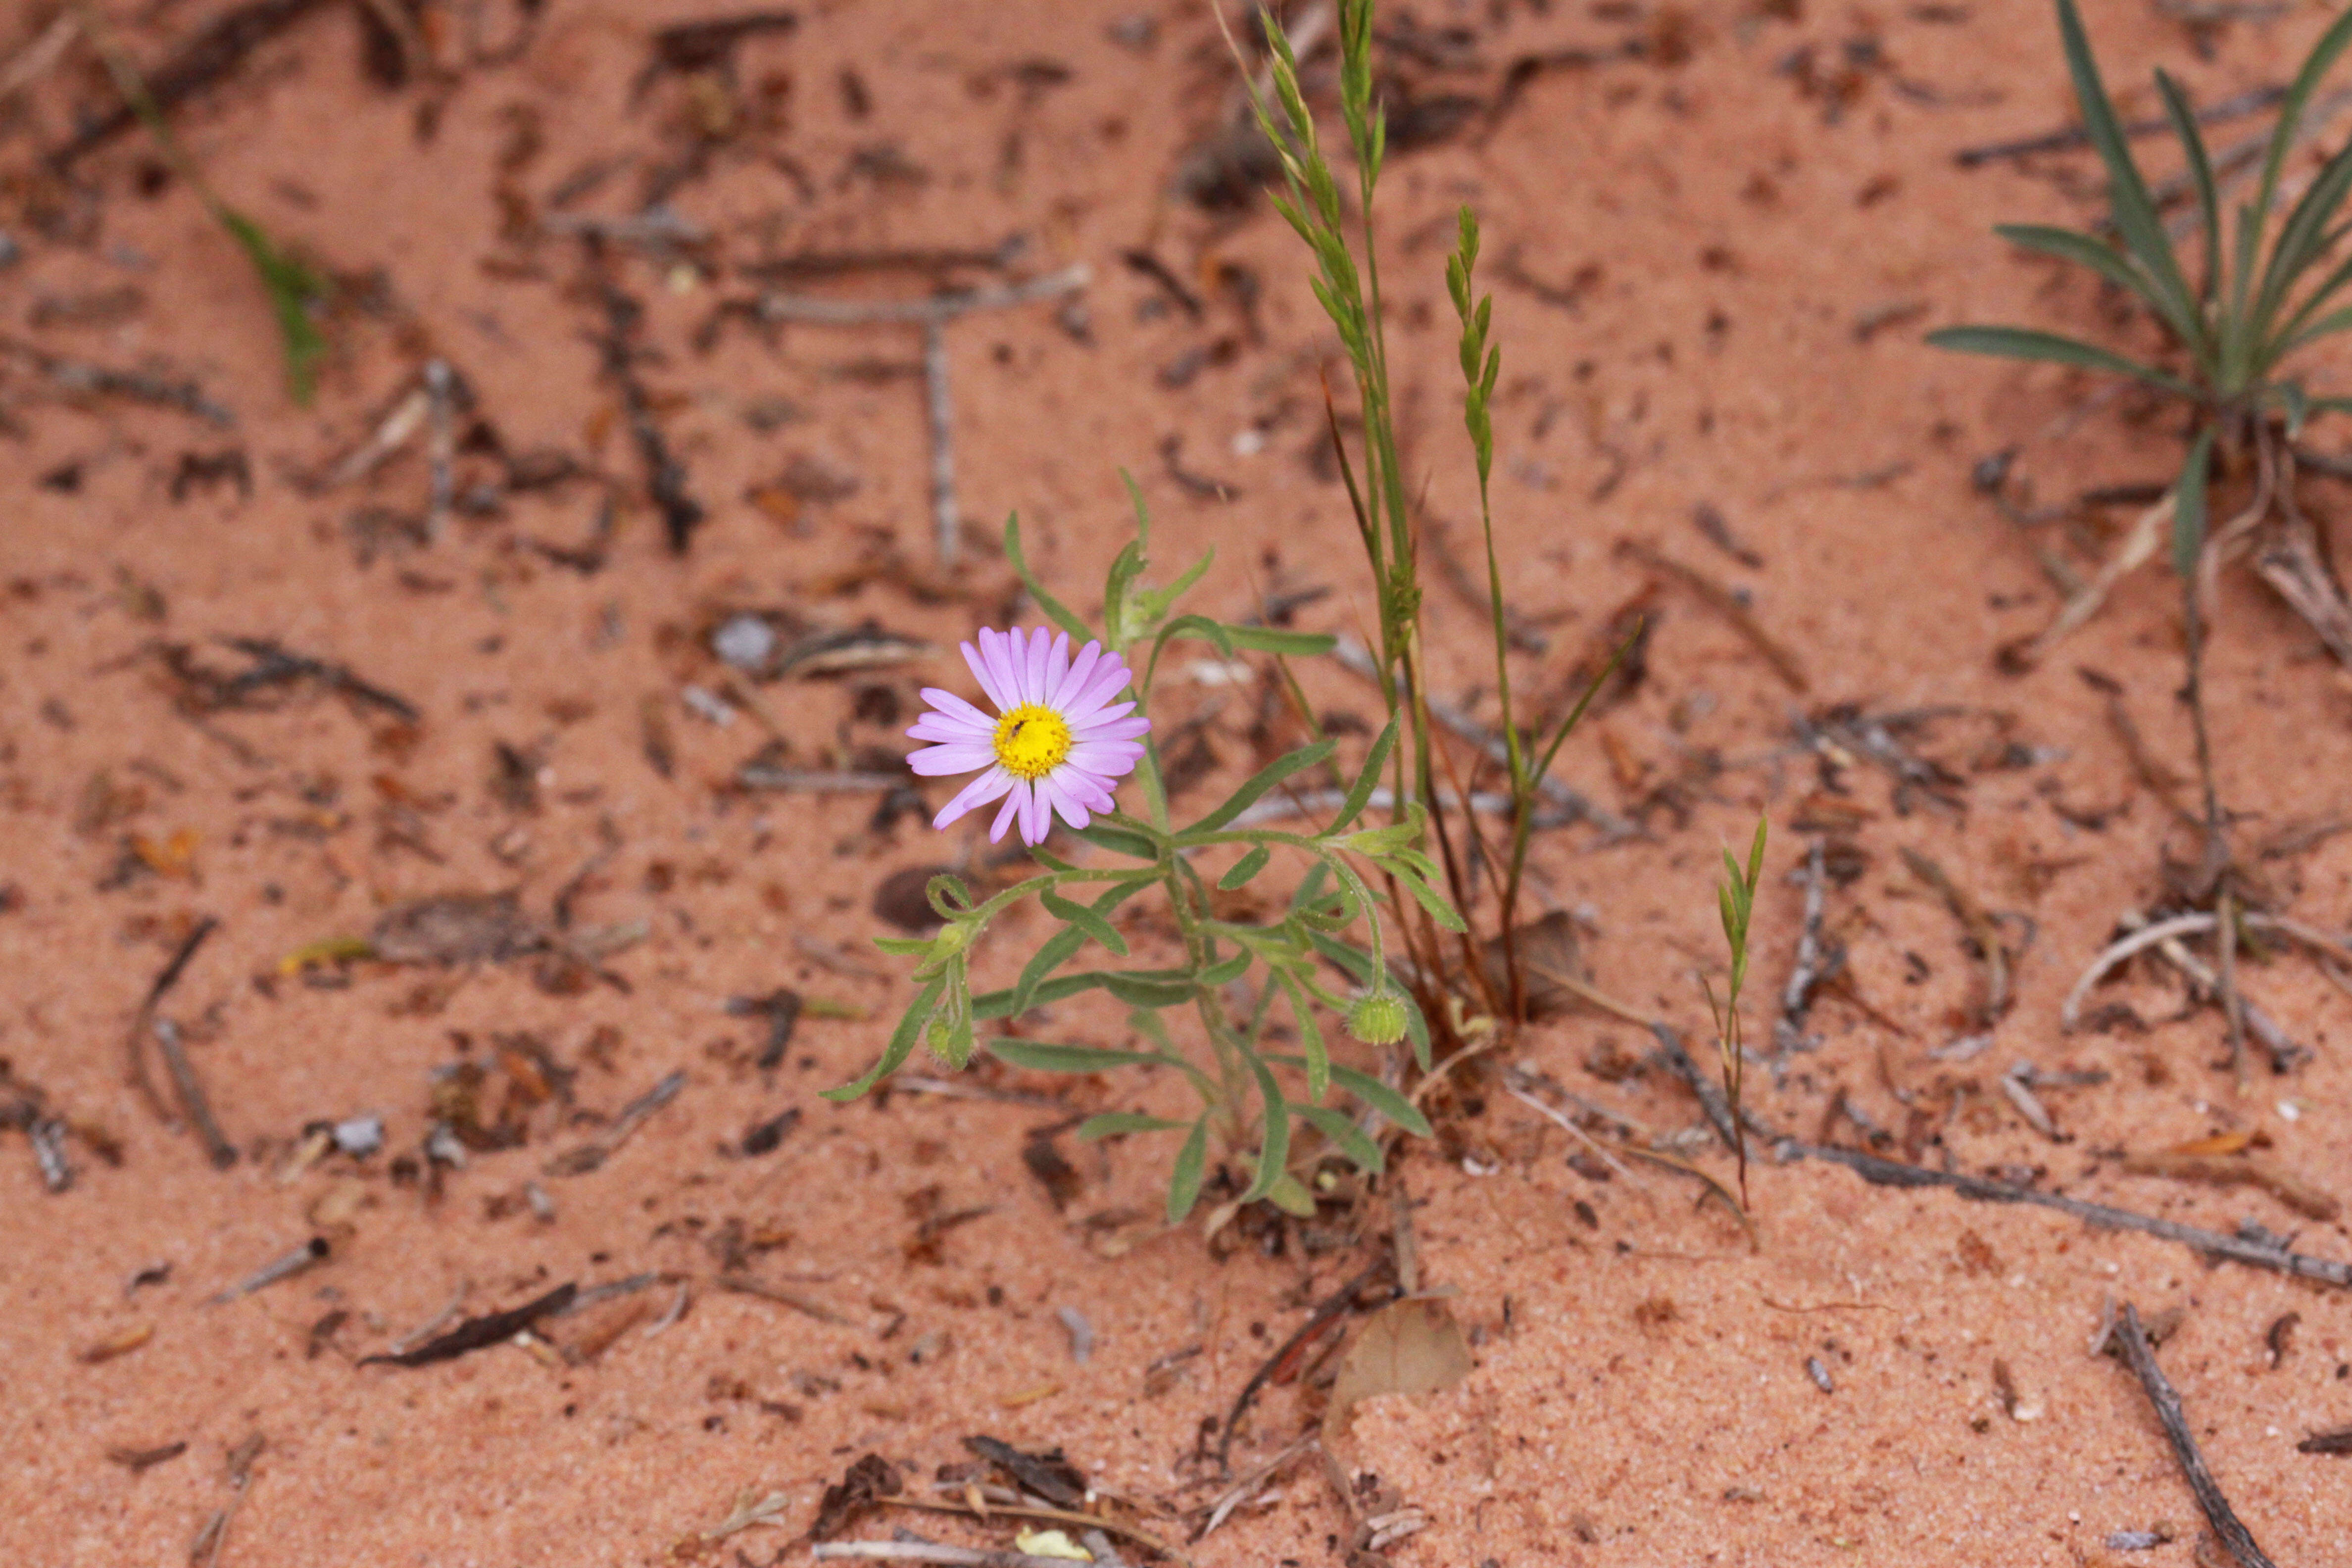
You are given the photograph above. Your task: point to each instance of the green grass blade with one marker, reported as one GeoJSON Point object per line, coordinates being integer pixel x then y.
{"type": "Point", "coordinates": [2200, 175]}
{"type": "Point", "coordinates": [1041, 1056]}
{"type": "Point", "coordinates": [1122, 1123]}
{"type": "Point", "coordinates": [2135, 211]}
{"type": "Point", "coordinates": [2026, 342]}
{"type": "Point", "coordinates": [1345, 1135]}
{"type": "Point", "coordinates": [2306, 80]}
{"type": "Point", "coordinates": [2083, 251]}
{"type": "Point", "coordinates": [2300, 242]}
{"type": "Point", "coordinates": [1360, 794]}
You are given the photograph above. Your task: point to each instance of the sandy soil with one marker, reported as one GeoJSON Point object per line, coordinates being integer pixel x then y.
{"type": "Point", "coordinates": [1714, 254]}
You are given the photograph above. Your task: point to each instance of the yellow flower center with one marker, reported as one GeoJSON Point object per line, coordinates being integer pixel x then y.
{"type": "Point", "coordinates": [1032, 741]}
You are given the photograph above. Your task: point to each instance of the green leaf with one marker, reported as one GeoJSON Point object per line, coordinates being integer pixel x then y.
{"type": "Point", "coordinates": [903, 1041]}
{"type": "Point", "coordinates": [1119, 840]}
{"type": "Point", "coordinates": [1427, 898]}
{"type": "Point", "coordinates": [1084, 919]}
{"type": "Point", "coordinates": [1199, 626]}
{"type": "Point", "coordinates": [1140, 989]}
{"type": "Point", "coordinates": [1310, 885]}
{"type": "Point", "coordinates": [2315, 65]}
{"type": "Point", "coordinates": [1225, 974]}
{"type": "Point", "coordinates": [1052, 953]}
{"type": "Point", "coordinates": [1289, 1194]}
{"type": "Point", "coordinates": [1122, 1123]}
{"type": "Point", "coordinates": [1360, 794]}
{"type": "Point", "coordinates": [903, 946]}
{"type": "Point", "coordinates": [1266, 778]}
{"type": "Point", "coordinates": [1274, 1146]}
{"type": "Point", "coordinates": [2025, 342]}
{"type": "Point", "coordinates": [2083, 250]}
{"type": "Point", "coordinates": [2200, 175]}
{"type": "Point", "coordinates": [1559, 737]}
{"type": "Point", "coordinates": [1311, 1037]}
{"type": "Point", "coordinates": [2135, 215]}
{"type": "Point", "coordinates": [2300, 242]}
{"type": "Point", "coordinates": [2188, 504]}
{"type": "Point", "coordinates": [1042, 1056]}
{"type": "Point", "coordinates": [1345, 1135]}
{"type": "Point", "coordinates": [998, 1003]}
{"type": "Point", "coordinates": [1273, 640]}
{"type": "Point", "coordinates": [1243, 870]}
{"type": "Point", "coordinates": [1374, 1093]}
{"type": "Point", "coordinates": [1184, 1178]}
{"type": "Point", "coordinates": [1056, 611]}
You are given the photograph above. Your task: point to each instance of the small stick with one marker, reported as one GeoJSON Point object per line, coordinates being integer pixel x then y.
{"type": "Point", "coordinates": [601, 1148]}
{"type": "Point", "coordinates": [2069, 1011]}
{"type": "Point", "coordinates": [940, 415]}
{"type": "Point", "coordinates": [1149, 1541]}
{"type": "Point", "coordinates": [441, 447]}
{"type": "Point", "coordinates": [2238, 1248]}
{"type": "Point", "coordinates": [938, 309]}
{"type": "Point", "coordinates": [1242, 1490]}
{"type": "Point", "coordinates": [927, 1551]}
{"type": "Point", "coordinates": [745, 1285]}
{"type": "Point", "coordinates": [139, 1076]}
{"type": "Point", "coordinates": [310, 1252]}
{"type": "Point", "coordinates": [1796, 997]}
{"type": "Point", "coordinates": [47, 1134]}
{"type": "Point", "coordinates": [2253, 100]}
{"type": "Point", "coordinates": [1724, 602]}
{"type": "Point", "coordinates": [1333, 1307]}
{"type": "Point", "coordinates": [1983, 931]}
{"type": "Point", "coordinates": [2234, 1005]}
{"type": "Point", "coordinates": [218, 1148]}
{"type": "Point", "coordinates": [2169, 1413]}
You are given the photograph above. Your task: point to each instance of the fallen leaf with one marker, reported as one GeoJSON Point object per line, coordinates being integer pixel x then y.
{"type": "Point", "coordinates": [1412, 1346]}
{"type": "Point", "coordinates": [1051, 1543]}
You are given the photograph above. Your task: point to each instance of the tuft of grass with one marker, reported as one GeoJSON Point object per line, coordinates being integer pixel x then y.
{"type": "Point", "coordinates": [1347, 285]}
{"type": "Point", "coordinates": [292, 287]}
{"type": "Point", "coordinates": [1736, 897]}
{"type": "Point", "coordinates": [2260, 297]}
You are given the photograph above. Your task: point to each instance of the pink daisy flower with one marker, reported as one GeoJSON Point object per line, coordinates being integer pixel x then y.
{"type": "Point", "coordinates": [1058, 744]}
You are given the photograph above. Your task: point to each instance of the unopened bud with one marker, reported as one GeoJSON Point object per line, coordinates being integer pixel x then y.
{"type": "Point", "coordinates": [1378, 1018]}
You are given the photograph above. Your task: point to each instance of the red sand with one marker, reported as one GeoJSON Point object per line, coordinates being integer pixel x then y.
{"type": "Point", "coordinates": [1641, 1394]}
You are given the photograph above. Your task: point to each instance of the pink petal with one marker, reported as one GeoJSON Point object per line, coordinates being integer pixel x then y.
{"type": "Point", "coordinates": [980, 792]}
{"type": "Point", "coordinates": [956, 711]}
{"type": "Point", "coordinates": [1037, 819]}
{"type": "Point", "coordinates": [1105, 759]}
{"type": "Point", "coordinates": [1016, 802]}
{"type": "Point", "coordinates": [1065, 803]}
{"type": "Point", "coordinates": [1034, 666]}
{"type": "Point", "coordinates": [1057, 667]}
{"type": "Point", "coordinates": [1083, 786]}
{"type": "Point", "coordinates": [983, 669]}
{"type": "Point", "coordinates": [937, 761]}
{"type": "Point", "coordinates": [1002, 659]}
{"type": "Point", "coordinates": [1117, 729]}
{"type": "Point", "coordinates": [1082, 670]}
{"type": "Point", "coordinates": [1109, 682]}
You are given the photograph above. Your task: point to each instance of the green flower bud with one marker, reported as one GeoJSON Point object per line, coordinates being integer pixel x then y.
{"type": "Point", "coordinates": [1378, 1018]}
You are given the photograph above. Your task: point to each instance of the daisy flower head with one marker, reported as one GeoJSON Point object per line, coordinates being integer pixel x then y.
{"type": "Point", "coordinates": [1057, 744]}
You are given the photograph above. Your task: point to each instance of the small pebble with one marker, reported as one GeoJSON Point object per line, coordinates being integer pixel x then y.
{"type": "Point", "coordinates": [360, 1136]}
{"type": "Point", "coordinates": [1819, 1374]}
{"type": "Point", "coordinates": [746, 641]}
{"type": "Point", "coordinates": [1081, 1333]}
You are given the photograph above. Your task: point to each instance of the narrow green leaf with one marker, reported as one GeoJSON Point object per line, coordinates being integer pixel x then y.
{"type": "Point", "coordinates": [1121, 1124]}
{"type": "Point", "coordinates": [1051, 955]}
{"type": "Point", "coordinates": [1344, 1136]}
{"type": "Point", "coordinates": [1266, 778]}
{"type": "Point", "coordinates": [2135, 211]}
{"type": "Point", "coordinates": [991, 1004]}
{"type": "Point", "coordinates": [1042, 1056]}
{"type": "Point", "coordinates": [1137, 989]}
{"type": "Point", "coordinates": [1274, 1146]}
{"type": "Point", "coordinates": [903, 946]}
{"type": "Point", "coordinates": [1274, 639]}
{"type": "Point", "coordinates": [2083, 250]}
{"type": "Point", "coordinates": [1056, 611]}
{"type": "Point", "coordinates": [1374, 1093]}
{"type": "Point", "coordinates": [2188, 504]}
{"type": "Point", "coordinates": [1119, 840]}
{"type": "Point", "coordinates": [1310, 1037]}
{"type": "Point", "coordinates": [2200, 176]}
{"type": "Point", "coordinates": [1084, 919]}
{"type": "Point", "coordinates": [1197, 626]}
{"type": "Point", "coordinates": [1428, 899]}
{"type": "Point", "coordinates": [1360, 794]}
{"type": "Point", "coordinates": [1243, 870]}
{"type": "Point", "coordinates": [1225, 974]}
{"type": "Point", "coordinates": [903, 1041]}
{"type": "Point", "coordinates": [2025, 342]}
{"type": "Point", "coordinates": [1184, 1178]}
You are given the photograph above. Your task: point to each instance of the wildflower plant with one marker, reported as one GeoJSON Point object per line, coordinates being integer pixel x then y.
{"type": "Point", "coordinates": [1071, 722]}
